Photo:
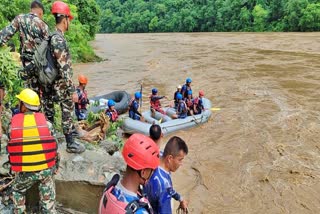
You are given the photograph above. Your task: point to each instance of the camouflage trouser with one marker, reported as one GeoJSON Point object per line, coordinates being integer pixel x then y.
{"type": "Point", "coordinates": [47, 192]}
{"type": "Point", "coordinates": [47, 101]}
{"type": "Point", "coordinates": [67, 109]}
{"type": "Point", "coordinates": [31, 81]}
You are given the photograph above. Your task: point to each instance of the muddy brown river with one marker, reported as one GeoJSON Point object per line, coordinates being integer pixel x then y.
{"type": "Point", "coordinates": [260, 153]}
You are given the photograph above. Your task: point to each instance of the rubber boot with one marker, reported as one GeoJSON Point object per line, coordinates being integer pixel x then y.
{"type": "Point", "coordinates": [72, 146]}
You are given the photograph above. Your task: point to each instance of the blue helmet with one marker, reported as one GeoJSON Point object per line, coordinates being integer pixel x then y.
{"type": "Point", "coordinates": [137, 95]}
{"type": "Point", "coordinates": [188, 80]}
{"type": "Point", "coordinates": [154, 91]}
{"type": "Point", "coordinates": [111, 103]}
{"type": "Point", "coordinates": [190, 92]}
{"type": "Point", "coordinates": [179, 96]}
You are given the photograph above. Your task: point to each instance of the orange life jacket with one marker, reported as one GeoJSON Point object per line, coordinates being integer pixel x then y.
{"type": "Point", "coordinates": [31, 147]}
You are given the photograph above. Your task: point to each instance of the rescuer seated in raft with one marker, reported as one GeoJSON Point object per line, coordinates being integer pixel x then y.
{"type": "Point", "coordinates": [134, 106]}
{"type": "Point", "coordinates": [186, 87]}
{"type": "Point", "coordinates": [155, 104]}
{"type": "Point", "coordinates": [198, 106]}
{"type": "Point", "coordinates": [176, 101]}
{"type": "Point", "coordinates": [189, 103]}
{"type": "Point", "coordinates": [182, 108]}
{"type": "Point", "coordinates": [111, 112]}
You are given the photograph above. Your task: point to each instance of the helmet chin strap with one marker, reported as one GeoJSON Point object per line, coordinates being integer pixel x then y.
{"type": "Point", "coordinates": [67, 23]}
{"type": "Point", "coordinates": [20, 106]}
{"type": "Point", "coordinates": [144, 180]}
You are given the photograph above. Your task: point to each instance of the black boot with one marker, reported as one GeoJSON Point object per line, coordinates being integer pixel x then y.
{"type": "Point", "coordinates": [72, 146]}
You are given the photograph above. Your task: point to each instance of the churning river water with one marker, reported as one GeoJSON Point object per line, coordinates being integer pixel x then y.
{"type": "Point", "coordinates": [260, 153]}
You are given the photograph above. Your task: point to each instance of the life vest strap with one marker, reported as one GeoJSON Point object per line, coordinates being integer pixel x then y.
{"type": "Point", "coordinates": [29, 127]}
{"type": "Point", "coordinates": [134, 205]}
{"type": "Point", "coordinates": [34, 163]}
{"type": "Point", "coordinates": [20, 143]}
{"type": "Point", "coordinates": [32, 153]}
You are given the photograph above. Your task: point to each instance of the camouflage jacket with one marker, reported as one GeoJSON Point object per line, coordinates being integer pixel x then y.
{"type": "Point", "coordinates": [63, 85]}
{"type": "Point", "coordinates": [30, 27]}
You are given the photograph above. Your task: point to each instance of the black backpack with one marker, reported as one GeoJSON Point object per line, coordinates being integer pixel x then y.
{"type": "Point", "coordinates": [44, 62]}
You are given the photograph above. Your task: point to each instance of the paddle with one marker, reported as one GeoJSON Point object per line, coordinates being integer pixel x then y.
{"type": "Point", "coordinates": [215, 109]}
{"type": "Point", "coordinates": [141, 96]}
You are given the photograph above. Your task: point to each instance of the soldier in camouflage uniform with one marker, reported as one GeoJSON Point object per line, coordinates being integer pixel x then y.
{"type": "Point", "coordinates": [33, 155]}
{"type": "Point", "coordinates": [63, 88]}
{"type": "Point", "coordinates": [31, 28]}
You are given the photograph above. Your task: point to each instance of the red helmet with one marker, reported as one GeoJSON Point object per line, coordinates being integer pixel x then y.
{"type": "Point", "coordinates": [141, 152]}
{"type": "Point", "coordinates": [201, 93]}
{"type": "Point", "coordinates": [59, 7]}
{"type": "Point", "coordinates": [83, 79]}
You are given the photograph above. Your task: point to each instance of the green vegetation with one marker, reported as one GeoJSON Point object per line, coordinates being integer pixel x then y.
{"type": "Point", "coordinates": [112, 134]}
{"type": "Point", "coordinates": [82, 30]}
{"type": "Point", "coordinates": [141, 16]}
{"type": "Point", "coordinates": [9, 76]}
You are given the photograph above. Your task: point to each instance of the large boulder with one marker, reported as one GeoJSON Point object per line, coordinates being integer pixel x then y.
{"type": "Point", "coordinates": [81, 177]}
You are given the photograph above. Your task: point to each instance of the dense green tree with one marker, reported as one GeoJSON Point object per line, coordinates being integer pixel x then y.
{"type": "Point", "coordinates": [293, 14]}
{"type": "Point", "coordinates": [245, 20]}
{"type": "Point", "coordinates": [260, 16]}
{"type": "Point", "coordinates": [310, 20]}
{"type": "Point", "coordinates": [208, 15]}
{"type": "Point", "coordinates": [154, 24]}
{"type": "Point", "coordinates": [88, 14]}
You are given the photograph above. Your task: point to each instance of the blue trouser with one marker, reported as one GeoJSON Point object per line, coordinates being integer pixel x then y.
{"type": "Point", "coordinates": [134, 115]}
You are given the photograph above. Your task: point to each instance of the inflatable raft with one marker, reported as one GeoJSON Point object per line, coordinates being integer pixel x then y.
{"type": "Point", "coordinates": [167, 124]}
{"type": "Point", "coordinates": [121, 98]}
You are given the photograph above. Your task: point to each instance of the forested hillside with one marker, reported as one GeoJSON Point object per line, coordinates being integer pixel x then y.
{"type": "Point", "coordinates": [209, 15]}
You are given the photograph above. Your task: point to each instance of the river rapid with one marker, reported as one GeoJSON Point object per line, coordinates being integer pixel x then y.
{"type": "Point", "coordinates": [260, 153]}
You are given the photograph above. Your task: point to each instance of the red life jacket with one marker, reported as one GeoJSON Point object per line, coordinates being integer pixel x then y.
{"type": "Point", "coordinates": [31, 147]}
{"type": "Point", "coordinates": [83, 99]}
{"type": "Point", "coordinates": [196, 100]}
{"type": "Point", "coordinates": [113, 115]}
{"type": "Point", "coordinates": [110, 204]}
{"type": "Point", "coordinates": [155, 103]}
{"type": "Point", "coordinates": [189, 102]}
